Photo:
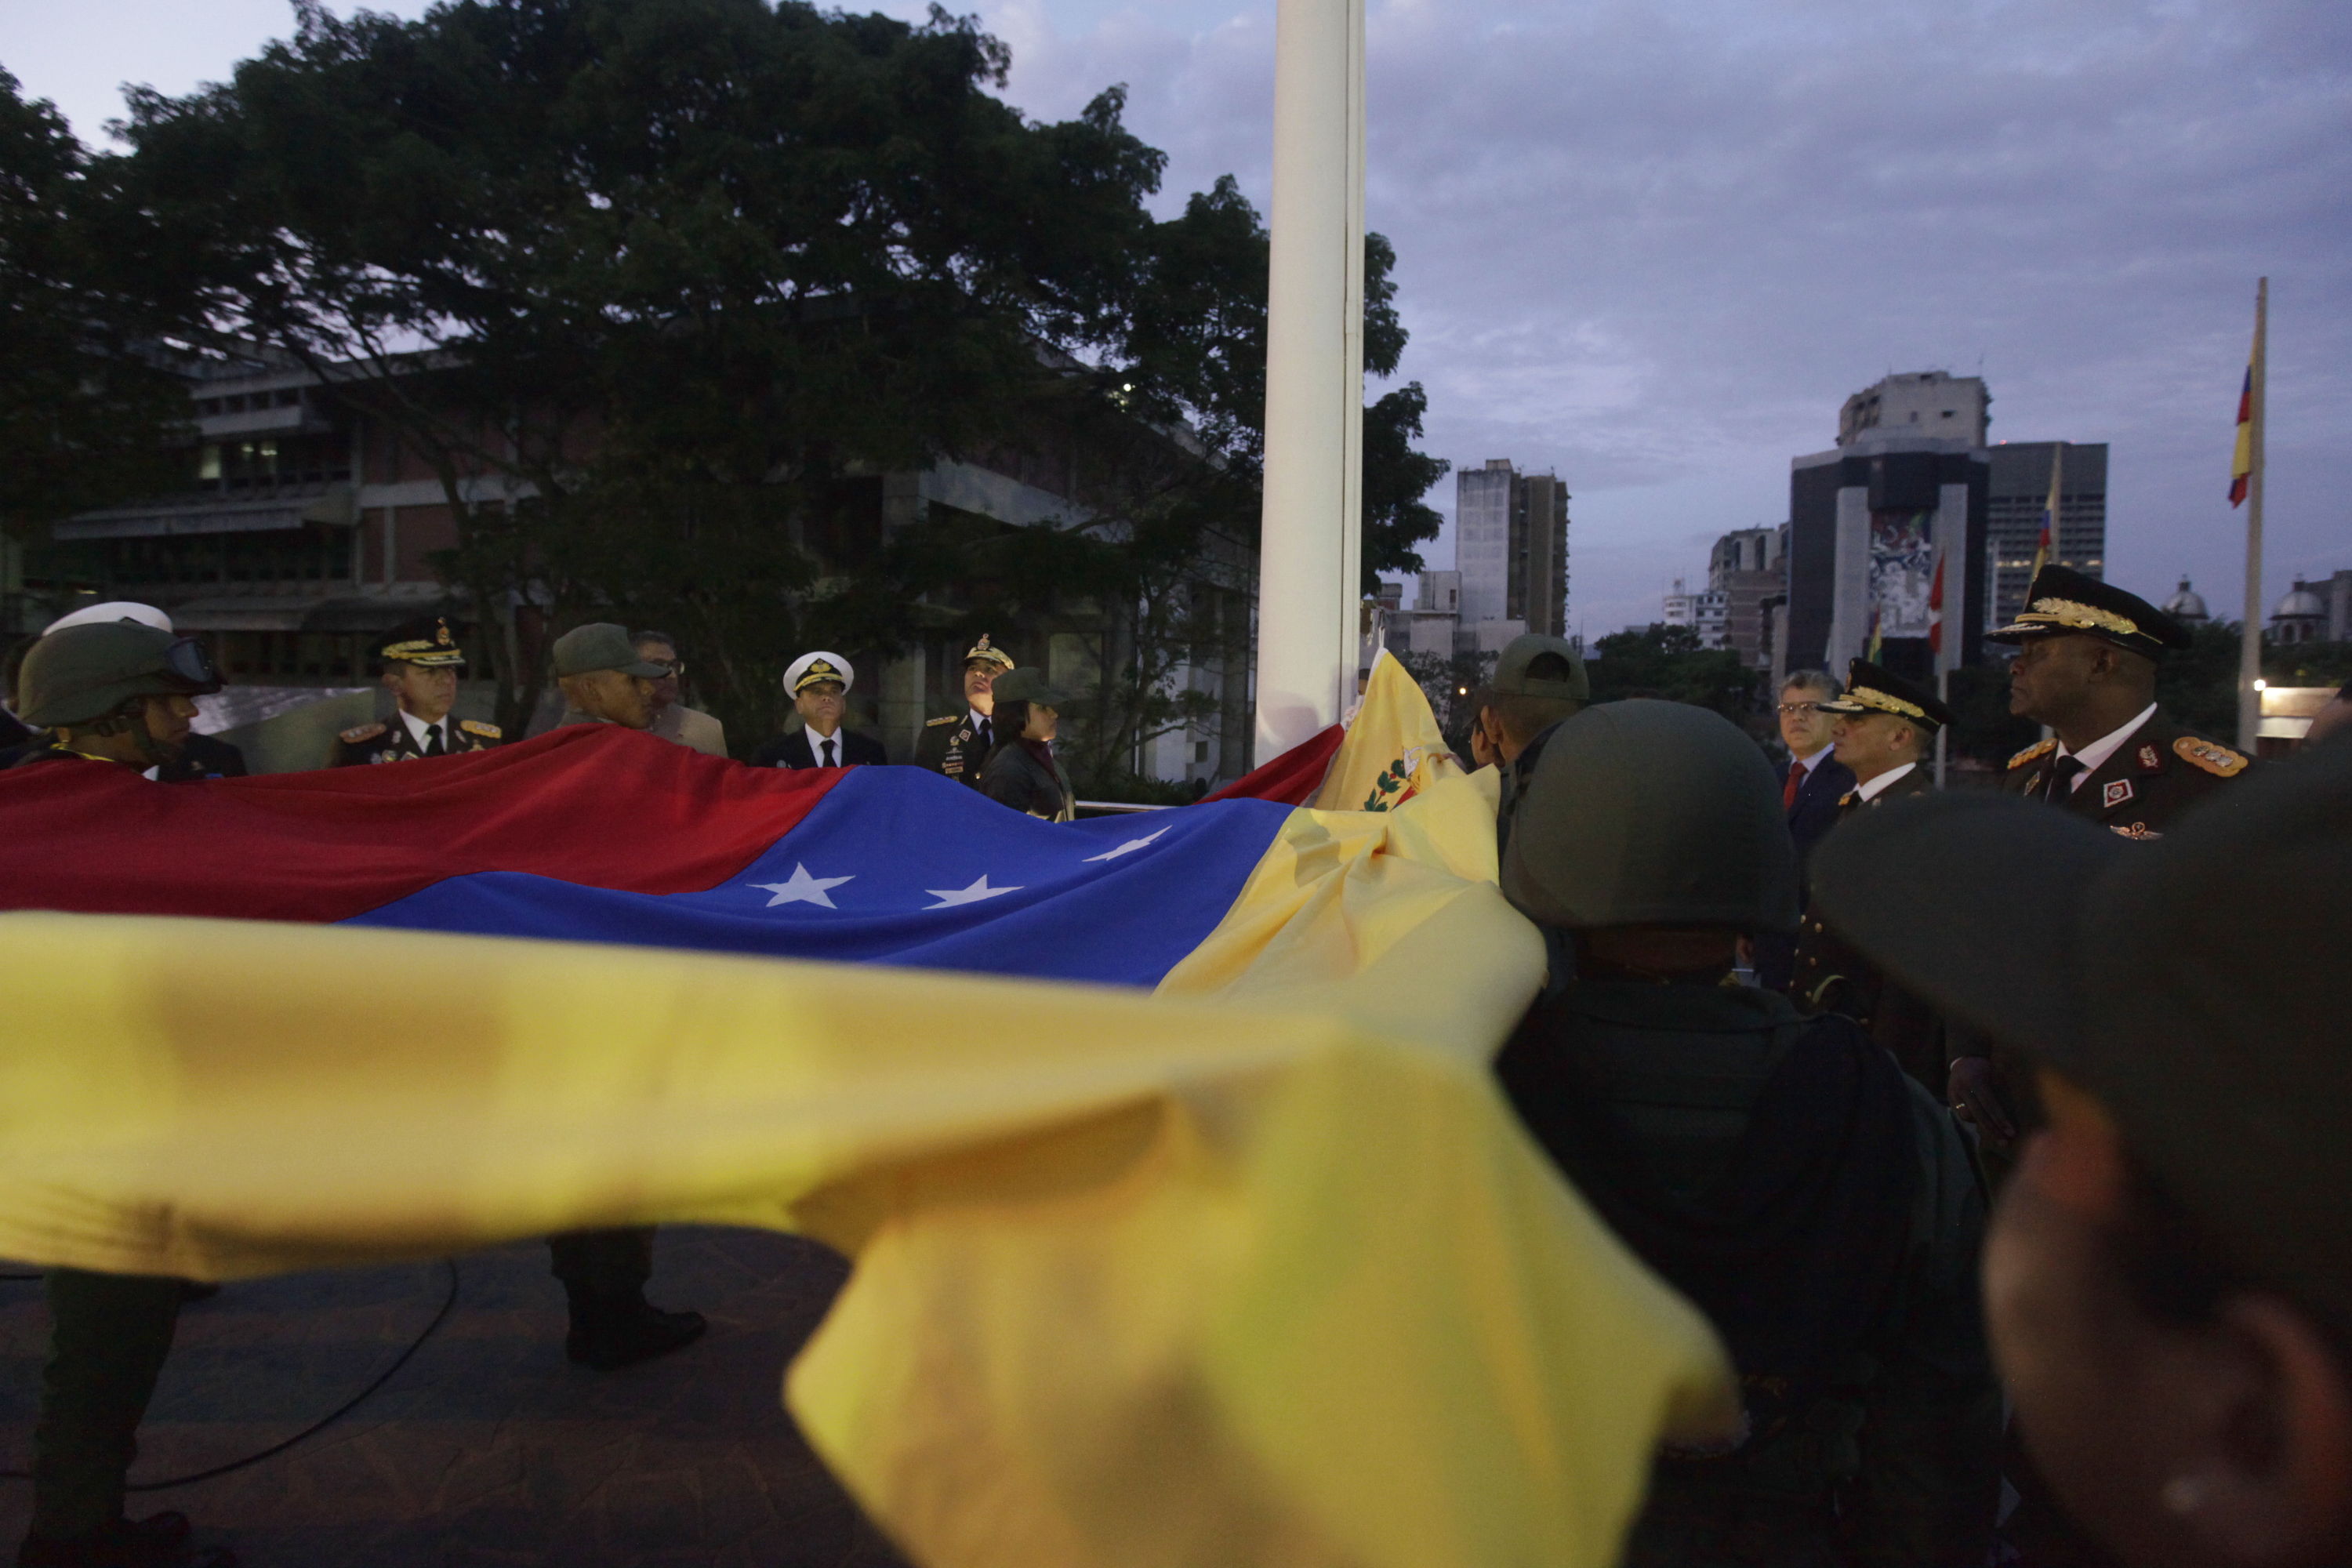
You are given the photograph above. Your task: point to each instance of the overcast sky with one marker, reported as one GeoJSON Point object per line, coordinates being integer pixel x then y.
{"type": "Point", "coordinates": [1652, 247]}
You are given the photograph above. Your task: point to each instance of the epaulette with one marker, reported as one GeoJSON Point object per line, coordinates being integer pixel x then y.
{"type": "Point", "coordinates": [476, 727]}
{"type": "Point", "coordinates": [2039, 748]}
{"type": "Point", "coordinates": [2214, 759]}
{"type": "Point", "coordinates": [360, 735]}
{"type": "Point", "coordinates": [935, 723]}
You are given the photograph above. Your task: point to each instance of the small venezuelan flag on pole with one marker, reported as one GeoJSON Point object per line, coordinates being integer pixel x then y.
{"type": "Point", "coordinates": [2042, 548]}
{"type": "Point", "coordinates": [2241, 463]}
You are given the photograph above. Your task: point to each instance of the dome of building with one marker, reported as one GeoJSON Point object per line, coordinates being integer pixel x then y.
{"type": "Point", "coordinates": [2300, 603]}
{"type": "Point", "coordinates": [2188, 605]}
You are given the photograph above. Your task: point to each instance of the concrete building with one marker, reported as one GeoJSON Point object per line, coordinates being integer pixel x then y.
{"type": "Point", "coordinates": [307, 528]}
{"type": "Point", "coordinates": [1430, 623]}
{"type": "Point", "coordinates": [1748, 568]}
{"type": "Point", "coordinates": [1869, 523]}
{"type": "Point", "coordinates": [1925, 403]}
{"type": "Point", "coordinates": [2019, 493]}
{"type": "Point", "coordinates": [1702, 610]}
{"type": "Point", "coordinates": [1510, 547]}
{"type": "Point", "coordinates": [2187, 606]}
{"type": "Point", "coordinates": [2313, 612]}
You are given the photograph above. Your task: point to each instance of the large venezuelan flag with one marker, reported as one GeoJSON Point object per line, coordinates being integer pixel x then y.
{"type": "Point", "coordinates": [1188, 1225]}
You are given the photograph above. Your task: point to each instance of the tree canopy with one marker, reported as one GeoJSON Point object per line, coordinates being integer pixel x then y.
{"type": "Point", "coordinates": [687, 276]}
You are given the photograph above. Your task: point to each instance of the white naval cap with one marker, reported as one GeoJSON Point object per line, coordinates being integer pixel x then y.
{"type": "Point", "coordinates": [111, 611]}
{"type": "Point", "coordinates": [811, 667]}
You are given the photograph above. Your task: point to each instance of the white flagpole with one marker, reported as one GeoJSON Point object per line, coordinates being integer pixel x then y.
{"type": "Point", "coordinates": [2250, 644]}
{"type": "Point", "coordinates": [1308, 552]}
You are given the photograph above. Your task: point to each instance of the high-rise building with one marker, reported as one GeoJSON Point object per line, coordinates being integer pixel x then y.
{"type": "Point", "coordinates": [1748, 568]}
{"type": "Point", "coordinates": [1510, 546]}
{"type": "Point", "coordinates": [2020, 493]}
{"type": "Point", "coordinates": [1922, 402]}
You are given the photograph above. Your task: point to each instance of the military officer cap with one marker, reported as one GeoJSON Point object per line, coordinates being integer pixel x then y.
{"type": "Point", "coordinates": [812, 669]}
{"type": "Point", "coordinates": [602, 645]}
{"type": "Point", "coordinates": [2064, 602]}
{"type": "Point", "coordinates": [112, 610]}
{"type": "Point", "coordinates": [1512, 678]}
{"type": "Point", "coordinates": [2192, 986]}
{"type": "Point", "coordinates": [1870, 690]}
{"type": "Point", "coordinates": [1650, 813]}
{"type": "Point", "coordinates": [84, 673]}
{"type": "Point", "coordinates": [985, 654]}
{"type": "Point", "coordinates": [1029, 686]}
{"type": "Point", "coordinates": [426, 643]}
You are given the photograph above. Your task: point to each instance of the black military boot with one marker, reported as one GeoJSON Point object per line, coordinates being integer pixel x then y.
{"type": "Point", "coordinates": [158, 1541]}
{"type": "Point", "coordinates": [613, 1332]}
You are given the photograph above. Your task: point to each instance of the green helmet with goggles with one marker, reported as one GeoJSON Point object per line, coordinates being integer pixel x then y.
{"type": "Point", "coordinates": [82, 674]}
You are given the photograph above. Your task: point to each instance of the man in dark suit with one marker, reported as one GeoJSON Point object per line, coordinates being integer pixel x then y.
{"type": "Point", "coordinates": [820, 684]}
{"type": "Point", "coordinates": [1812, 780]}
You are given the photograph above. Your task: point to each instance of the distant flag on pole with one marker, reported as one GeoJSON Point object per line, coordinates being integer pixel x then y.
{"type": "Point", "coordinates": [2042, 549]}
{"type": "Point", "coordinates": [2241, 464]}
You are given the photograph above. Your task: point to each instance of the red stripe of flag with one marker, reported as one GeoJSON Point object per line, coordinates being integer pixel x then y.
{"type": "Point", "coordinates": [592, 803]}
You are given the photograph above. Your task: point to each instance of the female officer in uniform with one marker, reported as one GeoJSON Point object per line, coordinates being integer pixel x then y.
{"type": "Point", "coordinates": [1022, 771]}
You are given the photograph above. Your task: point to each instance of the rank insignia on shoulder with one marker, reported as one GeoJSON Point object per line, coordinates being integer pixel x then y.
{"type": "Point", "coordinates": [359, 735]}
{"type": "Point", "coordinates": [1846, 799]}
{"type": "Point", "coordinates": [2039, 748]}
{"type": "Point", "coordinates": [935, 723]}
{"type": "Point", "coordinates": [2150, 759]}
{"type": "Point", "coordinates": [2137, 830]}
{"type": "Point", "coordinates": [2118, 791]}
{"type": "Point", "coordinates": [2219, 761]}
{"type": "Point", "coordinates": [476, 727]}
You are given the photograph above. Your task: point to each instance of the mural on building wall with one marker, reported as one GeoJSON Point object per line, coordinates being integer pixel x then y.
{"type": "Point", "coordinates": [1902, 571]}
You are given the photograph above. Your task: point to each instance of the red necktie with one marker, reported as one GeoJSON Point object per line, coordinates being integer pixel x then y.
{"type": "Point", "coordinates": [1796, 782]}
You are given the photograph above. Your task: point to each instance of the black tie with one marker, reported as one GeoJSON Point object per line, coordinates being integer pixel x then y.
{"type": "Point", "coordinates": [433, 747]}
{"type": "Point", "coordinates": [2062, 776]}
{"type": "Point", "coordinates": [828, 751]}
{"type": "Point", "coordinates": [986, 740]}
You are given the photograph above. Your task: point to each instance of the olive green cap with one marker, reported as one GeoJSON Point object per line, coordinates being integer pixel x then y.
{"type": "Point", "coordinates": [601, 645]}
{"type": "Point", "coordinates": [1028, 686]}
{"type": "Point", "coordinates": [1512, 679]}
{"type": "Point", "coordinates": [2192, 985]}
{"type": "Point", "coordinates": [1648, 813]}
{"type": "Point", "coordinates": [83, 673]}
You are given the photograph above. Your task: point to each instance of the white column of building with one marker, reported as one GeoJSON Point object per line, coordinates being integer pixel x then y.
{"type": "Point", "coordinates": [1310, 545]}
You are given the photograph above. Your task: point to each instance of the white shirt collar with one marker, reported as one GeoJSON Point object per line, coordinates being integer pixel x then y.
{"type": "Point", "coordinates": [1872, 789]}
{"type": "Point", "coordinates": [1813, 760]}
{"type": "Point", "coordinates": [979, 718]}
{"type": "Point", "coordinates": [418, 727]}
{"type": "Point", "coordinates": [816, 746]}
{"type": "Point", "coordinates": [2094, 756]}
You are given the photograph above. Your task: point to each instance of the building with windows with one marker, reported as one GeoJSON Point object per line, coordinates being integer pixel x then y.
{"type": "Point", "coordinates": [2316, 611]}
{"type": "Point", "coordinates": [307, 529]}
{"type": "Point", "coordinates": [1510, 549]}
{"type": "Point", "coordinates": [1748, 568]}
{"type": "Point", "coordinates": [2017, 494]}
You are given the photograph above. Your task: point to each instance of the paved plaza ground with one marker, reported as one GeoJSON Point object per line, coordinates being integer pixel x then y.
{"type": "Point", "coordinates": [487, 1449]}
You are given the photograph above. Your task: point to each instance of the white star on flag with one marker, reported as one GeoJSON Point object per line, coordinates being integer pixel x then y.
{"type": "Point", "coordinates": [803, 888]}
{"type": "Point", "coordinates": [951, 897]}
{"type": "Point", "coordinates": [1130, 847]}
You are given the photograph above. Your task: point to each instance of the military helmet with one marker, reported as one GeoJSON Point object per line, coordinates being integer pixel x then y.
{"type": "Point", "coordinates": [83, 673]}
{"type": "Point", "coordinates": [1648, 813]}
{"type": "Point", "coordinates": [1564, 681]}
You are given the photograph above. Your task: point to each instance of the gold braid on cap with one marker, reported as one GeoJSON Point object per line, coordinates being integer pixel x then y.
{"type": "Point", "coordinates": [1863, 696]}
{"type": "Point", "coordinates": [2070, 612]}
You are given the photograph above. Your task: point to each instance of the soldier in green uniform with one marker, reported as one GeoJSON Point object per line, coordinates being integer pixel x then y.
{"type": "Point", "coordinates": [420, 663]}
{"type": "Point", "coordinates": [1538, 680]}
{"type": "Point", "coordinates": [113, 695]}
{"type": "Point", "coordinates": [1780, 1171]}
{"type": "Point", "coordinates": [957, 744]}
{"type": "Point", "coordinates": [1885, 729]}
{"type": "Point", "coordinates": [2085, 667]}
{"type": "Point", "coordinates": [2168, 1277]}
